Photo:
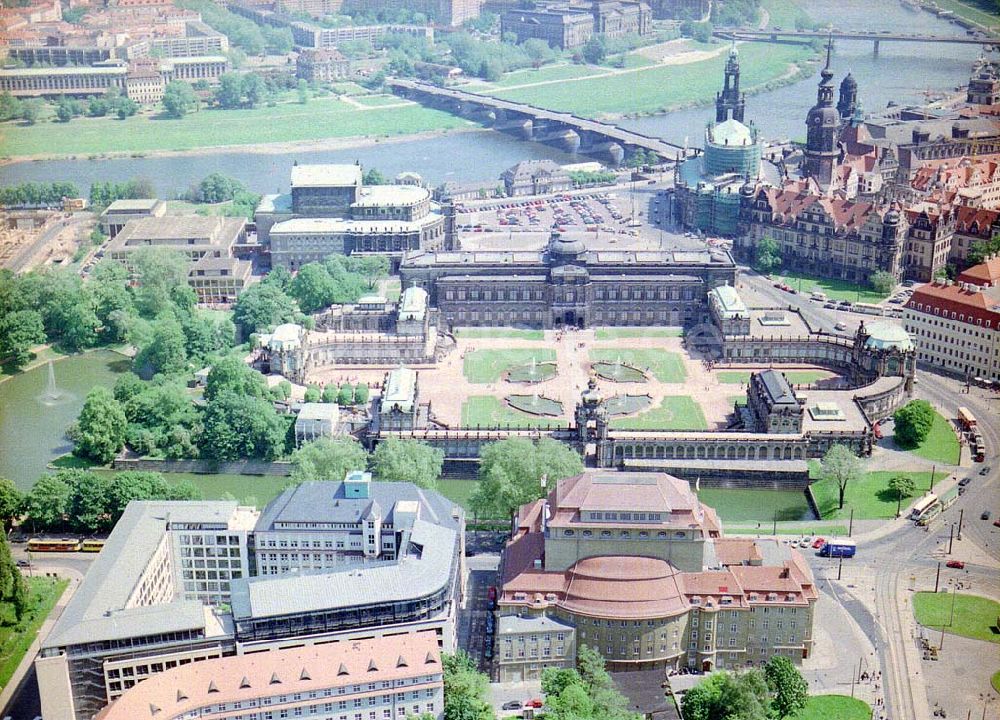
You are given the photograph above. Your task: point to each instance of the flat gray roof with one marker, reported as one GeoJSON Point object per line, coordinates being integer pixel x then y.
{"type": "Point", "coordinates": [96, 611]}
{"type": "Point", "coordinates": [325, 501]}
{"type": "Point", "coordinates": [424, 570]}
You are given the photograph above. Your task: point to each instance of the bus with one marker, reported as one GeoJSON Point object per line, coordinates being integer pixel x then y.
{"type": "Point", "coordinates": [978, 447]}
{"type": "Point", "coordinates": [923, 505]}
{"type": "Point", "coordinates": [839, 548]}
{"type": "Point", "coordinates": [932, 512]}
{"type": "Point", "coordinates": [948, 498]}
{"type": "Point", "coordinates": [868, 309]}
{"type": "Point", "coordinates": [92, 545]}
{"type": "Point", "coordinates": [966, 419]}
{"type": "Point", "coordinates": [53, 545]}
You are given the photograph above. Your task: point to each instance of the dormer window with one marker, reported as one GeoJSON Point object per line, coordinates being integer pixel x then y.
{"type": "Point", "coordinates": [790, 597]}
{"type": "Point", "coordinates": [771, 597]}
{"type": "Point", "coordinates": [696, 600]}
{"type": "Point", "coordinates": [568, 533]}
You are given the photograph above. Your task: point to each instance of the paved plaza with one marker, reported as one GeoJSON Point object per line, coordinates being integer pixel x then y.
{"type": "Point", "coordinates": [446, 385]}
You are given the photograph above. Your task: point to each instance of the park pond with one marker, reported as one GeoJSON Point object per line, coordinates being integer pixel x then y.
{"type": "Point", "coordinates": [33, 421]}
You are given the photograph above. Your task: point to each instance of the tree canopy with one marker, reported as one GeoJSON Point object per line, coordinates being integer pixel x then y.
{"type": "Point", "coordinates": [397, 460]}
{"type": "Point", "coordinates": [466, 690]}
{"type": "Point", "coordinates": [511, 472]}
{"type": "Point", "coordinates": [841, 466]}
{"type": "Point", "coordinates": [328, 459]}
{"type": "Point", "coordinates": [913, 423]}
{"type": "Point", "coordinates": [99, 433]}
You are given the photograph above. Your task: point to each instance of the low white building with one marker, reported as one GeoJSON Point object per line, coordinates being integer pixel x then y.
{"type": "Point", "coordinates": [316, 420]}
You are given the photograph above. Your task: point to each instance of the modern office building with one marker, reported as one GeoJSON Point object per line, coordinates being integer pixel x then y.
{"type": "Point", "coordinates": [633, 565]}
{"type": "Point", "coordinates": [119, 212]}
{"type": "Point", "coordinates": [372, 679]}
{"type": "Point", "coordinates": [174, 586]}
{"type": "Point", "coordinates": [325, 526]}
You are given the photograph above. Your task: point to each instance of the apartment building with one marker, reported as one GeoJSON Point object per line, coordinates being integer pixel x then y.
{"type": "Point", "coordinates": [372, 679]}
{"type": "Point", "coordinates": [633, 565]}
{"type": "Point", "coordinates": [956, 326]}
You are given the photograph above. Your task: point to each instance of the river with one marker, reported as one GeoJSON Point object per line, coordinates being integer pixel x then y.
{"type": "Point", "coordinates": [901, 73]}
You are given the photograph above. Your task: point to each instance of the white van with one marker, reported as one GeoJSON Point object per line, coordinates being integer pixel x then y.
{"type": "Point", "coordinates": [820, 296]}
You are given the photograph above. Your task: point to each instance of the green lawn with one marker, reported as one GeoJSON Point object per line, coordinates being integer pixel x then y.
{"type": "Point", "coordinates": [349, 88]}
{"type": "Point", "coordinates": [941, 443]}
{"type": "Point", "coordinates": [319, 119]}
{"type": "Point", "coordinates": [16, 637]}
{"type": "Point", "coordinates": [834, 707]}
{"type": "Point", "coordinates": [486, 366]}
{"type": "Point", "coordinates": [615, 333]}
{"type": "Point", "coordinates": [487, 410]}
{"type": "Point", "coordinates": [665, 366]}
{"type": "Point", "coordinates": [737, 399]}
{"type": "Point", "coordinates": [764, 528]}
{"type": "Point", "coordinates": [783, 13]}
{"type": "Point", "coordinates": [796, 377]}
{"type": "Point", "coordinates": [975, 616]}
{"type": "Point", "coordinates": [834, 289]}
{"type": "Point", "coordinates": [392, 289]}
{"type": "Point", "coordinates": [676, 412]}
{"type": "Point", "coordinates": [659, 87]}
{"type": "Point", "coordinates": [753, 505]}
{"type": "Point", "coordinates": [545, 73]}
{"type": "Point", "coordinates": [870, 498]}
{"type": "Point", "coordinates": [519, 333]}
{"type": "Point", "coordinates": [995, 681]}
{"type": "Point", "coordinates": [983, 12]}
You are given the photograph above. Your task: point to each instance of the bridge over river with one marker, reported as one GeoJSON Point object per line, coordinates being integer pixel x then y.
{"type": "Point", "coordinates": [568, 132]}
{"type": "Point", "coordinates": [875, 37]}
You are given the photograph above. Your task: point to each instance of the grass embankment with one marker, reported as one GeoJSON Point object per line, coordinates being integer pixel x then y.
{"type": "Point", "coordinates": [941, 443]}
{"type": "Point", "coordinates": [16, 637]}
{"type": "Point", "coordinates": [870, 498]}
{"type": "Point", "coordinates": [765, 528]}
{"type": "Point", "coordinates": [796, 377]}
{"type": "Point", "coordinates": [489, 411]}
{"type": "Point", "coordinates": [834, 289]}
{"type": "Point", "coordinates": [615, 333]}
{"type": "Point", "coordinates": [995, 681]}
{"type": "Point", "coordinates": [520, 334]}
{"type": "Point", "coordinates": [659, 87]}
{"type": "Point", "coordinates": [742, 505]}
{"type": "Point", "coordinates": [675, 412]}
{"type": "Point", "coordinates": [983, 12]}
{"type": "Point", "coordinates": [974, 616]}
{"type": "Point", "coordinates": [784, 14]}
{"type": "Point", "coordinates": [667, 367]}
{"type": "Point", "coordinates": [830, 707]}
{"type": "Point", "coordinates": [319, 119]}
{"type": "Point", "coordinates": [486, 366]}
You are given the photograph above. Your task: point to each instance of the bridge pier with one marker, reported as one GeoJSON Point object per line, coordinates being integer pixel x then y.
{"type": "Point", "coordinates": [876, 48]}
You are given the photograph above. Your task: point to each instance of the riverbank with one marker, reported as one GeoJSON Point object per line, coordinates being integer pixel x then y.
{"type": "Point", "coordinates": [326, 124]}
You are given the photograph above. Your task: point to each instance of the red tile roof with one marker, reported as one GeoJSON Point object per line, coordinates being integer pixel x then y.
{"type": "Point", "coordinates": [987, 273]}
{"type": "Point", "coordinates": [979, 305]}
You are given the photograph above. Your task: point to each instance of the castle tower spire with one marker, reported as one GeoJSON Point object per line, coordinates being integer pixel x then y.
{"type": "Point", "coordinates": [730, 102]}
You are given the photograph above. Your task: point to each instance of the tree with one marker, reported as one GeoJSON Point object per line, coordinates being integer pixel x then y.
{"type": "Point", "coordinates": [253, 89]}
{"type": "Point", "coordinates": [396, 460]}
{"type": "Point", "coordinates": [373, 267]}
{"type": "Point", "coordinates": [555, 680]}
{"type": "Point", "coordinates": [511, 471]}
{"type": "Point", "coordinates": [160, 273]}
{"type": "Point", "coordinates": [19, 332]}
{"type": "Point", "coordinates": [313, 288]}
{"type": "Point", "coordinates": [166, 351]}
{"type": "Point", "coordinates": [841, 466]}
{"type": "Point", "coordinates": [238, 427]}
{"type": "Point", "coordinates": [64, 111]}
{"type": "Point", "coordinates": [345, 394]}
{"type": "Point", "coordinates": [30, 110]}
{"type": "Point", "coordinates": [10, 503]}
{"type": "Point", "coordinates": [179, 99]}
{"type": "Point", "coordinates": [100, 428]}
{"type": "Point", "coordinates": [47, 505]}
{"type": "Point", "coordinates": [312, 394]}
{"type": "Point", "coordinates": [466, 690]}
{"type": "Point", "coordinates": [13, 587]}
{"type": "Point", "coordinates": [360, 394]}
{"type": "Point", "coordinates": [89, 510]}
{"type": "Point", "coordinates": [767, 256]}
{"type": "Point", "coordinates": [126, 107]}
{"type": "Point", "coordinates": [229, 94]}
{"type": "Point", "coordinates": [725, 696]}
{"type": "Point", "coordinates": [913, 423]}
{"type": "Point", "coordinates": [263, 306]}
{"type": "Point", "coordinates": [372, 176]}
{"type": "Point", "coordinates": [538, 51]}
{"type": "Point", "coordinates": [982, 249]}
{"type": "Point", "coordinates": [789, 689]}
{"type": "Point", "coordinates": [330, 393]}
{"type": "Point", "coordinates": [594, 51]}
{"type": "Point", "coordinates": [902, 486]}
{"type": "Point", "coordinates": [234, 377]}
{"type": "Point", "coordinates": [302, 88]}
{"type": "Point", "coordinates": [328, 459]}
{"type": "Point", "coordinates": [10, 107]}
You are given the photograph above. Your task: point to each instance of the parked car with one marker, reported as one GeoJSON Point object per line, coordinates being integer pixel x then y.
{"type": "Point", "coordinates": [957, 564]}
{"type": "Point", "coordinates": [997, 522]}
{"type": "Point", "coordinates": [534, 703]}
{"type": "Point", "coordinates": [965, 481]}
{"type": "Point", "coordinates": [819, 542]}
{"type": "Point", "coordinates": [23, 563]}
{"type": "Point", "coordinates": [985, 470]}
{"type": "Point", "coordinates": [512, 705]}
{"type": "Point", "coordinates": [985, 515]}
{"type": "Point", "coordinates": [806, 541]}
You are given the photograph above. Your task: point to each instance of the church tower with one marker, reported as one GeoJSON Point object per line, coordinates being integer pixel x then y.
{"type": "Point", "coordinates": [848, 97]}
{"type": "Point", "coordinates": [730, 102]}
{"type": "Point", "coordinates": [822, 130]}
